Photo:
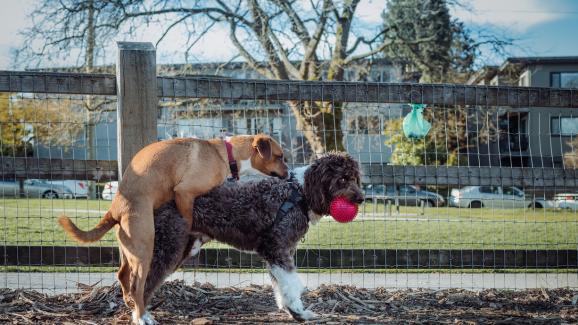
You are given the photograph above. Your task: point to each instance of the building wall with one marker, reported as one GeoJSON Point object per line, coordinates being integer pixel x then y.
{"type": "Point", "coordinates": [104, 143]}
{"type": "Point", "coordinates": [544, 148]}
{"type": "Point", "coordinates": [365, 146]}
{"type": "Point", "coordinates": [542, 141]}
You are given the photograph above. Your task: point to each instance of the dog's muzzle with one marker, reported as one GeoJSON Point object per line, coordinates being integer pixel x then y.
{"type": "Point", "coordinates": [274, 174]}
{"type": "Point", "coordinates": [359, 199]}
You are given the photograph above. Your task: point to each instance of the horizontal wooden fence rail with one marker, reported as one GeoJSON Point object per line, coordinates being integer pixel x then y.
{"type": "Point", "coordinates": [377, 173]}
{"type": "Point", "coordinates": [58, 83]}
{"type": "Point", "coordinates": [370, 92]}
{"type": "Point", "coordinates": [312, 258]}
{"type": "Point", "coordinates": [57, 169]}
{"type": "Point", "coordinates": [203, 87]}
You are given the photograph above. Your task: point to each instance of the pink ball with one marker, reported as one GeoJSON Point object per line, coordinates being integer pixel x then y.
{"type": "Point", "coordinates": [342, 210]}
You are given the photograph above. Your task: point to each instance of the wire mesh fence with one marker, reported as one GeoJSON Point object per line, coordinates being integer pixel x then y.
{"type": "Point", "coordinates": [487, 199]}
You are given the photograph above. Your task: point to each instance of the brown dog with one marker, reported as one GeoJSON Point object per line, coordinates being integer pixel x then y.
{"type": "Point", "coordinates": [179, 169]}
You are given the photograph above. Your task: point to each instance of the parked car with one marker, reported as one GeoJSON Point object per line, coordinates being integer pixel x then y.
{"type": "Point", "coordinates": [566, 201]}
{"type": "Point", "coordinates": [35, 188]}
{"type": "Point", "coordinates": [109, 190]}
{"type": "Point", "coordinates": [491, 197]}
{"type": "Point", "coordinates": [79, 189]}
{"type": "Point", "coordinates": [407, 195]}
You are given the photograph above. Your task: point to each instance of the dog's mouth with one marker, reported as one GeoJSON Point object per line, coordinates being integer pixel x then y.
{"type": "Point", "coordinates": [275, 174]}
{"type": "Point", "coordinates": [357, 198]}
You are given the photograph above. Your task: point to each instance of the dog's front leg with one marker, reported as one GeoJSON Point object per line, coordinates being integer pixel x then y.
{"type": "Point", "coordinates": [288, 288]}
{"type": "Point", "coordinates": [184, 201]}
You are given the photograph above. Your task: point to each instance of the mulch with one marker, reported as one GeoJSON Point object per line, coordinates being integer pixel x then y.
{"type": "Point", "coordinates": [179, 303]}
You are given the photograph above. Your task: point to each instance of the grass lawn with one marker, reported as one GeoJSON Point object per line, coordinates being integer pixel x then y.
{"type": "Point", "coordinates": [107, 269]}
{"type": "Point", "coordinates": [33, 222]}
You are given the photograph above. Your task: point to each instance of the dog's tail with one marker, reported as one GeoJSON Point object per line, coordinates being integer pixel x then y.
{"type": "Point", "coordinates": [81, 236]}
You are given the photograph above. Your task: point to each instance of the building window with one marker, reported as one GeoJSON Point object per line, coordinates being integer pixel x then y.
{"type": "Point", "coordinates": [266, 125]}
{"type": "Point", "coordinates": [564, 80]}
{"type": "Point", "coordinates": [564, 126]}
{"type": "Point", "coordinates": [364, 124]}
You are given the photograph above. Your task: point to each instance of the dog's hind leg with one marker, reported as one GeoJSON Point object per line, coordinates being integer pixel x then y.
{"type": "Point", "coordinates": [288, 287]}
{"type": "Point", "coordinates": [136, 235]}
{"type": "Point", "coordinates": [123, 276]}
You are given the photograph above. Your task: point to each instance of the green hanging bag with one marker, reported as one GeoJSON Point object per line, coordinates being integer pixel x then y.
{"type": "Point", "coordinates": [414, 125]}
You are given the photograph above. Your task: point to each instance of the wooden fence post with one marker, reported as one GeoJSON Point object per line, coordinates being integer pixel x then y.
{"type": "Point", "coordinates": [137, 101]}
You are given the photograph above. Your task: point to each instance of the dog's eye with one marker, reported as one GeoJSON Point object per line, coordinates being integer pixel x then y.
{"type": "Point", "coordinates": [342, 180]}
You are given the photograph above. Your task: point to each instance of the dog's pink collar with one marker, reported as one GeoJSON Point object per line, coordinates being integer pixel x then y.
{"type": "Point", "coordinates": [232, 162]}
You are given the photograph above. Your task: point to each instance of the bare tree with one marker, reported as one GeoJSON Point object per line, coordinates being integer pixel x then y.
{"type": "Point", "coordinates": [280, 39]}
{"type": "Point", "coordinates": [72, 30]}
{"type": "Point", "coordinates": [295, 40]}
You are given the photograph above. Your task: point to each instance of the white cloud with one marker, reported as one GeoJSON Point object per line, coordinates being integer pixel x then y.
{"type": "Point", "coordinates": [516, 15]}
{"type": "Point", "coordinates": [369, 11]}
{"type": "Point", "coordinates": [13, 18]}
{"type": "Point", "coordinates": [213, 46]}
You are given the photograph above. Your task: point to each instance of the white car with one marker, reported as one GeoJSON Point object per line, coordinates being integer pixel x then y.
{"type": "Point", "coordinates": [79, 189]}
{"type": "Point", "coordinates": [566, 201]}
{"type": "Point", "coordinates": [489, 196]}
{"type": "Point", "coordinates": [34, 188]}
{"type": "Point", "coordinates": [109, 190]}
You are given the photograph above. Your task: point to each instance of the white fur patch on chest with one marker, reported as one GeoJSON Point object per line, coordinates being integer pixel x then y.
{"type": "Point", "coordinates": [246, 169]}
{"type": "Point", "coordinates": [299, 174]}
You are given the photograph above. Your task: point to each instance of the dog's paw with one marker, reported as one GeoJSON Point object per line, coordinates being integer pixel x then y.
{"type": "Point", "coordinates": [309, 315]}
{"type": "Point", "coordinates": [146, 319]}
{"type": "Point", "coordinates": [302, 316]}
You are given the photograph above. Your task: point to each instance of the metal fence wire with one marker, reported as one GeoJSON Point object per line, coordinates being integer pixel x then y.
{"type": "Point", "coordinates": [487, 199]}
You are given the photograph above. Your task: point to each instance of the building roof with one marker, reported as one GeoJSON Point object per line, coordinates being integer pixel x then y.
{"type": "Point", "coordinates": [231, 65]}
{"type": "Point", "coordinates": [530, 60]}
{"type": "Point", "coordinates": [486, 73]}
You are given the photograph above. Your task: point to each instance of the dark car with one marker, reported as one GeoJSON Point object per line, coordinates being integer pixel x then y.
{"type": "Point", "coordinates": [407, 195]}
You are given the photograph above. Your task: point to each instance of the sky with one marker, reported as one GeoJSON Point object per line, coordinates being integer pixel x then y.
{"type": "Point", "coordinates": [540, 28]}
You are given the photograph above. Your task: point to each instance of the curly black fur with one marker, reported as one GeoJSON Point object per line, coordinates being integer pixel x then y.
{"type": "Point", "coordinates": [334, 174]}
{"type": "Point", "coordinates": [172, 243]}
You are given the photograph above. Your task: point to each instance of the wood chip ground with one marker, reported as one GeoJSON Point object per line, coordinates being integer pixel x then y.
{"type": "Point", "coordinates": [180, 303]}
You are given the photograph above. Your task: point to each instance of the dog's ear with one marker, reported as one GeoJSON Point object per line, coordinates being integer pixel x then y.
{"type": "Point", "coordinates": [262, 144]}
{"type": "Point", "coordinates": [314, 187]}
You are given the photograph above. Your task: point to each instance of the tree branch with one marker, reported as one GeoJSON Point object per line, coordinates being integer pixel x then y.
{"type": "Point", "coordinates": [297, 25]}
{"type": "Point", "coordinates": [384, 45]}
{"type": "Point", "coordinates": [284, 58]}
{"type": "Point", "coordinates": [190, 11]}
{"type": "Point", "coordinates": [311, 48]}
{"type": "Point", "coordinates": [362, 39]}
{"type": "Point", "coordinates": [246, 55]}
{"type": "Point", "coordinates": [262, 31]}
{"type": "Point", "coordinates": [171, 26]}
{"type": "Point", "coordinates": [335, 71]}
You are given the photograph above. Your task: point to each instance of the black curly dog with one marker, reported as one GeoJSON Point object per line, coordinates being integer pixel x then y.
{"type": "Point", "coordinates": [268, 217]}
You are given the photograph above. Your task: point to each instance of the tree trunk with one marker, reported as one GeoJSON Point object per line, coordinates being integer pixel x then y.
{"type": "Point", "coordinates": [91, 146]}
{"type": "Point", "coordinates": [89, 67]}
{"type": "Point", "coordinates": [320, 124]}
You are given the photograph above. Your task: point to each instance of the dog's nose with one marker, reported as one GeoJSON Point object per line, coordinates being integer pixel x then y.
{"type": "Point", "coordinates": [359, 199]}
